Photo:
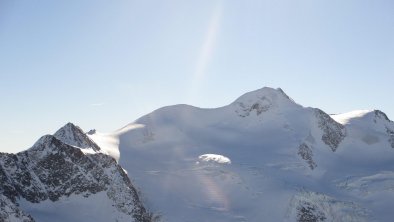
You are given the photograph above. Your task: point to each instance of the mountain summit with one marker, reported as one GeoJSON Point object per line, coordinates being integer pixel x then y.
{"type": "Point", "coordinates": [74, 136]}
{"type": "Point", "coordinates": [262, 100]}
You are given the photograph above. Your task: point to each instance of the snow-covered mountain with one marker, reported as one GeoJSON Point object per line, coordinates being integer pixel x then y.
{"type": "Point", "coordinates": [261, 158]}
{"type": "Point", "coordinates": [65, 177]}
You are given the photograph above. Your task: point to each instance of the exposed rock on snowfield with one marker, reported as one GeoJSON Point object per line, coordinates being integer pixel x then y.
{"type": "Point", "coordinates": [316, 207]}
{"type": "Point", "coordinates": [333, 132]}
{"type": "Point", "coordinates": [391, 137]}
{"type": "Point", "coordinates": [306, 153]}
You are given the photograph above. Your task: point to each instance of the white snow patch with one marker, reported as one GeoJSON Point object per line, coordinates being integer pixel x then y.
{"type": "Point", "coordinates": [88, 150]}
{"type": "Point", "coordinates": [214, 158]}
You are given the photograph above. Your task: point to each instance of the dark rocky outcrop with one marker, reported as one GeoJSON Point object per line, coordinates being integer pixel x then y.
{"type": "Point", "coordinates": [333, 132]}
{"type": "Point", "coordinates": [306, 154]}
{"type": "Point", "coordinates": [52, 169]}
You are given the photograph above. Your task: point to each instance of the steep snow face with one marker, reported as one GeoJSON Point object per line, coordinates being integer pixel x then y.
{"type": "Point", "coordinates": [276, 148]}
{"type": "Point", "coordinates": [53, 171]}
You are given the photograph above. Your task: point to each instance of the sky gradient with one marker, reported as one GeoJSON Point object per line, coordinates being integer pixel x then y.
{"type": "Point", "coordinates": [103, 64]}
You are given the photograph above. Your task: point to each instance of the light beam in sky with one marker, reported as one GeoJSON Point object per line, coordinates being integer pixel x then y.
{"type": "Point", "coordinates": [207, 50]}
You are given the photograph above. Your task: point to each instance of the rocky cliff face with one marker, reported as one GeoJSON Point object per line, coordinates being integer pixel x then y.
{"type": "Point", "coordinates": [60, 166]}
{"type": "Point", "coordinates": [333, 132]}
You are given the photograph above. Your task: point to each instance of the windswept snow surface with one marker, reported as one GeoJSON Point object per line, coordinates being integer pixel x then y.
{"type": "Point", "coordinates": [288, 162]}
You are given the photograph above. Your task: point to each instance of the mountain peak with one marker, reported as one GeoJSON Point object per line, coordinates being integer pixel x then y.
{"type": "Point", "coordinates": [71, 126]}
{"type": "Point", "coordinates": [53, 171]}
{"type": "Point", "coordinates": [381, 115]}
{"type": "Point", "coordinates": [264, 92]}
{"type": "Point", "coordinates": [74, 136]}
{"type": "Point", "coordinates": [262, 100]}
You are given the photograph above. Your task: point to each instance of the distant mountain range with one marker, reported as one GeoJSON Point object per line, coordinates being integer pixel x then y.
{"type": "Point", "coordinates": [261, 158]}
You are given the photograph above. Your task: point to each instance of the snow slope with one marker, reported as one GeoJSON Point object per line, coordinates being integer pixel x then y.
{"type": "Point", "coordinates": [284, 162]}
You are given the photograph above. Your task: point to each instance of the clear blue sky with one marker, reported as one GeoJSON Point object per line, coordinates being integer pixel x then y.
{"type": "Point", "coordinates": [103, 64]}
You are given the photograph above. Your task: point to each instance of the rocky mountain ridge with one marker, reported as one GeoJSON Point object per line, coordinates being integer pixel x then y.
{"type": "Point", "coordinates": [57, 167]}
